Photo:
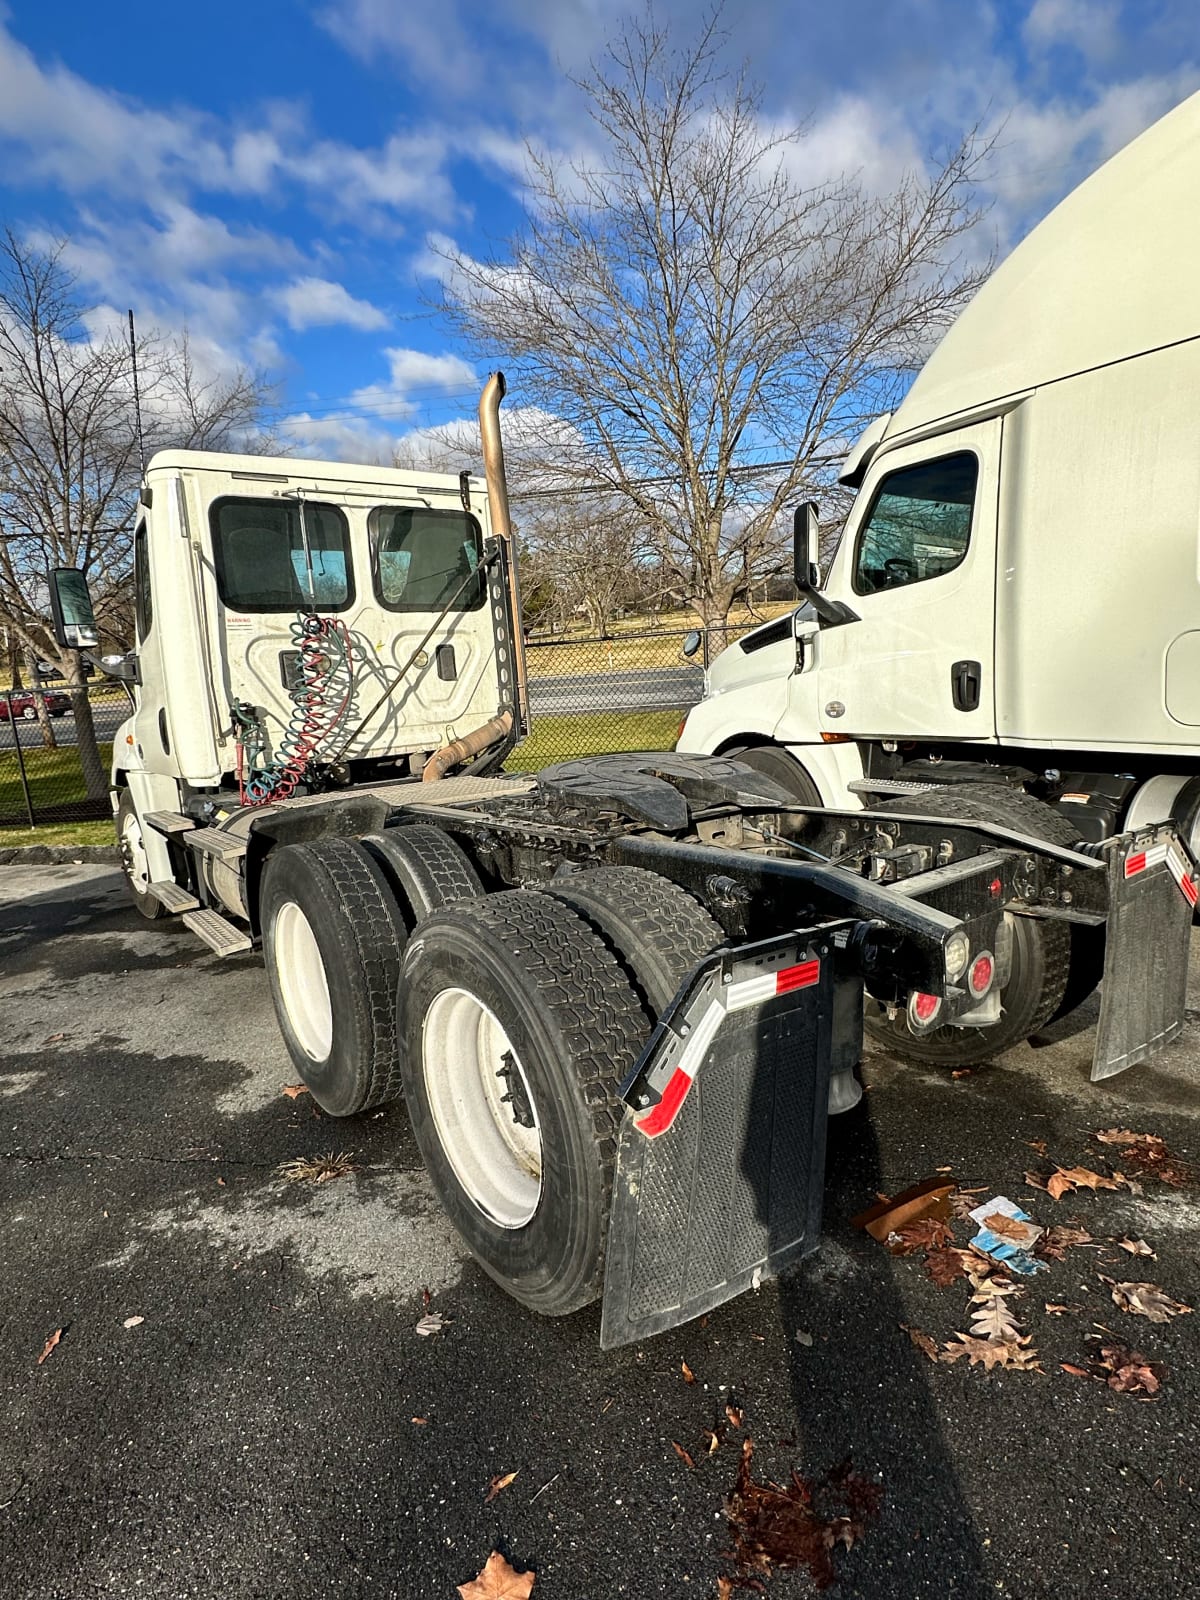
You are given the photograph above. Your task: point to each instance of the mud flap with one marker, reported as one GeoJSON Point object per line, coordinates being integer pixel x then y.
{"type": "Point", "coordinates": [1152, 895]}
{"type": "Point", "coordinates": [721, 1157]}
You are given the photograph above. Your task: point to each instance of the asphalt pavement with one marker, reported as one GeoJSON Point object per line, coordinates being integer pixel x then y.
{"type": "Point", "coordinates": [274, 1425]}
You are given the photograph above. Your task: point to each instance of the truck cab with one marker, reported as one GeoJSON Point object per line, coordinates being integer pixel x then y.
{"type": "Point", "coordinates": [1015, 597]}
{"type": "Point", "coordinates": [283, 603]}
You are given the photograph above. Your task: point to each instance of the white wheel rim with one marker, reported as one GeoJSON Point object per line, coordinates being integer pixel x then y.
{"type": "Point", "coordinates": [137, 861]}
{"type": "Point", "coordinates": [303, 987]}
{"type": "Point", "coordinates": [469, 1064]}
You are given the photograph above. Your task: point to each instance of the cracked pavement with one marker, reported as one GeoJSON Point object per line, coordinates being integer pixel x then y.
{"type": "Point", "coordinates": [258, 1435]}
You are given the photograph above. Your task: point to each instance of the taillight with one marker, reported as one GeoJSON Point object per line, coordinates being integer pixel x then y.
{"type": "Point", "coordinates": [923, 1010]}
{"type": "Point", "coordinates": [983, 970]}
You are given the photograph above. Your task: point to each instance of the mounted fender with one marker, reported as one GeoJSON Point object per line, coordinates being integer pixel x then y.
{"type": "Point", "coordinates": [151, 791]}
{"type": "Point", "coordinates": [346, 816]}
{"type": "Point", "coordinates": [831, 768]}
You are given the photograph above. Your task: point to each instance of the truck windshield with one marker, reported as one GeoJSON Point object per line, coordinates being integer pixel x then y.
{"type": "Point", "coordinates": [258, 552]}
{"type": "Point", "coordinates": [919, 524]}
{"type": "Point", "coordinates": [422, 557]}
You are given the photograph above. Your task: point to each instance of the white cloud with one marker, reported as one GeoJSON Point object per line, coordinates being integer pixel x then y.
{"type": "Point", "coordinates": [1089, 26]}
{"type": "Point", "coordinates": [319, 303]}
{"type": "Point", "coordinates": [336, 438]}
{"type": "Point", "coordinates": [413, 372]}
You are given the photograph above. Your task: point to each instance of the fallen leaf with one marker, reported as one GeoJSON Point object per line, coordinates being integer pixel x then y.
{"type": "Point", "coordinates": [1065, 1179]}
{"type": "Point", "coordinates": [922, 1340]}
{"type": "Point", "coordinates": [724, 1589]}
{"type": "Point", "coordinates": [963, 1202]}
{"type": "Point", "coordinates": [1035, 1180]}
{"type": "Point", "coordinates": [1058, 1239]}
{"type": "Point", "coordinates": [221, 1183]}
{"type": "Point", "coordinates": [927, 1233]}
{"type": "Point", "coordinates": [734, 1413]}
{"type": "Point", "coordinates": [1145, 1300]}
{"type": "Point", "coordinates": [1124, 1136]}
{"type": "Point", "coordinates": [927, 1199]}
{"type": "Point", "coordinates": [133, 1322]}
{"type": "Point", "coordinates": [683, 1454]}
{"type": "Point", "coordinates": [54, 1038]}
{"type": "Point", "coordinates": [804, 1337]}
{"type": "Point", "coordinates": [962, 1072]}
{"type": "Point", "coordinates": [714, 1440]}
{"type": "Point", "coordinates": [1055, 1310]}
{"type": "Point", "coordinates": [990, 1353]}
{"type": "Point", "coordinates": [688, 1375]}
{"type": "Point", "coordinates": [1007, 1227]}
{"type": "Point", "coordinates": [433, 1323]}
{"type": "Point", "coordinates": [498, 1581]}
{"type": "Point", "coordinates": [49, 1345]}
{"type": "Point", "coordinates": [1037, 1144]}
{"type": "Point", "coordinates": [497, 1484]}
{"type": "Point", "coordinates": [421, 1422]}
{"type": "Point", "coordinates": [944, 1266]}
{"type": "Point", "coordinates": [992, 1317]}
{"type": "Point", "coordinates": [777, 1527]}
{"type": "Point", "coordinates": [1076, 1372]}
{"type": "Point", "coordinates": [294, 1090]}
{"type": "Point", "coordinates": [1136, 1247]}
{"type": "Point", "coordinates": [1123, 1370]}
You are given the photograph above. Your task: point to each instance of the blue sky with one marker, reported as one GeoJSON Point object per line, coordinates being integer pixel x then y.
{"type": "Point", "coordinates": [272, 174]}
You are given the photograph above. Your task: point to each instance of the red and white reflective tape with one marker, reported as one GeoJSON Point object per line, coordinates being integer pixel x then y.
{"type": "Point", "coordinates": [1142, 860]}
{"type": "Point", "coordinates": [731, 997]}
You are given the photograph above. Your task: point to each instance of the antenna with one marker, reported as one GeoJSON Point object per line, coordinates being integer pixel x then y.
{"type": "Point", "coordinates": [137, 397]}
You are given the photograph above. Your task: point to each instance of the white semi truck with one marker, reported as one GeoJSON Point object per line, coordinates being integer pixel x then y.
{"type": "Point", "coordinates": [1014, 606]}
{"type": "Point", "coordinates": [622, 997]}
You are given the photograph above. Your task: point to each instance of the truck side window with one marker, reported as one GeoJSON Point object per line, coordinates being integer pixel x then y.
{"type": "Point", "coordinates": [919, 524]}
{"type": "Point", "coordinates": [258, 551]}
{"type": "Point", "coordinates": [422, 557]}
{"type": "Point", "coordinates": [143, 601]}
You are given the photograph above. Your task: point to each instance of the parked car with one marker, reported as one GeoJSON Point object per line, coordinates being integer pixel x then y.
{"type": "Point", "coordinates": [23, 703]}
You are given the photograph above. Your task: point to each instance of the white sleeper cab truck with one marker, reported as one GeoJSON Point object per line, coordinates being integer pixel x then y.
{"type": "Point", "coordinates": [1010, 628]}
{"type": "Point", "coordinates": [620, 998]}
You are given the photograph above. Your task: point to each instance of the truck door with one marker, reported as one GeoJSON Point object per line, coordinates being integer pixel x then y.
{"type": "Point", "coordinates": [917, 565]}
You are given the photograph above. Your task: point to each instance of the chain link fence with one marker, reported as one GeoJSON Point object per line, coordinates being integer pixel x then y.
{"type": "Point", "coordinates": [588, 695]}
{"type": "Point", "coordinates": [41, 778]}
{"type": "Point", "coordinates": [630, 691]}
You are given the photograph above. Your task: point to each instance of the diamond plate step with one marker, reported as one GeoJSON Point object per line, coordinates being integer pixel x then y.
{"type": "Point", "coordinates": [217, 934]}
{"type": "Point", "coordinates": [216, 842]}
{"type": "Point", "coordinates": [168, 822]}
{"type": "Point", "coordinates": [891, 786]}
{"type": "Point", "coordinates": [173, 898]}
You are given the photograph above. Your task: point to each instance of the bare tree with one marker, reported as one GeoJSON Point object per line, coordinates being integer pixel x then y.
{"type": "Point", "coordinates": [69, 460]}
{"type": "Point", "coordinates": [589, 552]}
{"type": "Point", "coordinates": [690, 309]}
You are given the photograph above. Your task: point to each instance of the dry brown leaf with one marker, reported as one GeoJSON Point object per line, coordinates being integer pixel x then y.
{"type": "Point", "coordinates": [945, 1266]}
{"type": "Point", "coordinates": [1076, 1372]}
{"type": "Point", "coordinates": [1010, 1228]}
{"type": "Point", "coordinates": [1136, 1247]}
{"type": "Point", "coordinates": [1125, 1136]}
{"type": "Point", "coordinates": [688, 1375]}
{"type": "Point", "coordinates": [49, 1345]}
{"type": "Point", "coordinates": [498, 1581]}
{"type": "Point", "coordinates": [962, 1072]}
{"type": "Point", "coordinates": [1037, 1144]}
{"type": "Point", "coordinates": [724, 1589]}
{"type": "Point", "coordinates": [1057, 1240]}
{"type": "Point", "coordinates": [992, 1317]}
{"type": "Point", "coordinates": [714, 1441]}
{"type": "Point", "coordinates": [922, 1340]}
{"type": "Point", "coordinates": [1036, 1180]}
{"type": "Point", "coordinates": [927, 1233]}
{"type": "Point", "coordinates": [1066, 1179]}
{"type": "Point", "coordinates": [494, 1488]}
{"type": "Point", "coordinates": [430, 1324]}
{"type": "Point", "coordinates": [1123, 1370]}
{"type": "Point", "coordinates": [294, 1090]}
{"type": "Point", "coordinates": [734, 1413]}
{"type": "Point", "coordinates": [990, 1353]}
{"type": "Point", "coordinates": [964, 1201]}
{"type": "Point", "coordinates": [683, 1454]}
{"type": "Point", "coordinates": [1145, 1300]}
{"type": "Point", "coordinates": [1054, 1310]}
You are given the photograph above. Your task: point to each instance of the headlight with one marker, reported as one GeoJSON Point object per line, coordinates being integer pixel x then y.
{"type": "Point", "coordinates": [957, 951]}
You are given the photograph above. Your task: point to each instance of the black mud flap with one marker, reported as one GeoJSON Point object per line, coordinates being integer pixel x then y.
{"type": "Point", "coordinates": [1152, 895]}
{"type": "Point", "coordinates": [721, 1157]}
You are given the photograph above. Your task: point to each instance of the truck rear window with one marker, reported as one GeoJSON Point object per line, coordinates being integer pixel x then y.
{"type": "Point", "coordinates": [258, 551]}
{"type": "Point", "coordinates": [423, 559]}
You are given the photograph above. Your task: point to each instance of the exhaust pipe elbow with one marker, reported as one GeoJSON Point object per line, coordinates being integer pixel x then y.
{"type": "Point", "coordinates": [494, 391]}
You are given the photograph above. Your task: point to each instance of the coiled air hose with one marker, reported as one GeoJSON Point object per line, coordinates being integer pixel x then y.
{"type": "Point", "coordinates": [320, 695]}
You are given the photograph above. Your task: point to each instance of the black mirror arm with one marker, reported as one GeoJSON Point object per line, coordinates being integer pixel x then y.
{"type": "Point", "coordinates": [830, 613]}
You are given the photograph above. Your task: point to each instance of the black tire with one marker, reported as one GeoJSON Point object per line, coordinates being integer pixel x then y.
{"type": "Point", "coordinates": [360, 936]}
{"type": "Point", "coordinates": [654, 928]}
{"type": "Point", "coordinates": [575, 1027]}
{"type": "Point", "coordinates": [1041, 948]}
{"type": "Point", "coordinates": [136, 882]}
{"type": "Point", "coordinates": [424, 868]}
{"type": "Point", "coordinates": [775, 763]}
{"type": "Point", "coordinates": [29, 713]}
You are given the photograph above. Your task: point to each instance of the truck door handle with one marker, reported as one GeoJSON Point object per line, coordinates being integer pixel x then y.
{"type": "Point", "coordinates": [966, 680]}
